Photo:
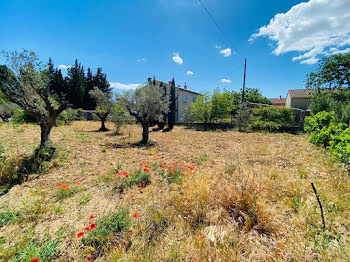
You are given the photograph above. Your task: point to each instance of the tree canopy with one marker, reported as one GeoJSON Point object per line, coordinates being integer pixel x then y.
{"type": "Point", "coordinates": [332, 72]}
{"type": "Point", "coordinates": [146, 104]}
{"type": "Point", "coordinates": [26, 82]}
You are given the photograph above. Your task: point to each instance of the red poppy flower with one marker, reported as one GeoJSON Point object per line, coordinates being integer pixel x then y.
{"type": "Point", "coordinates": [135, 215]}
{"type": "Point", "coordinates": [89, 258]}
{"type": "Point", "coordinates": [182, 174]}
{"type": "Point", "coordinates": [141, 164]}
{"type": "Point", "coordinates": [131, 196]}
{"type": "Point", "coordinates": [91, 217]}
{"type": "Point", "coordinates": [34, 260]}
{"type": "Point", "coordinates": [248, 203]}
{"type": "Point", "coordinates": [300, 164]}
{"type": "Point", "coordinates": [126, 175]}
{"type": "Point", "coordinates": [78, 183]}
{"type": "Point", "coordinates": [80, 234]}
{"type": "Point", "coordinates": [59, 184]}
{"type": "Point", "coordinates": [173, 173]}
{"type": "Point", "coordinates": [87, 229]}
{"type": "Point", "coordinates": [146, 170]}
{"type": "Point", "coordinates": [162, 166]}
{"type": "Point", "coordinates": [93, 225]}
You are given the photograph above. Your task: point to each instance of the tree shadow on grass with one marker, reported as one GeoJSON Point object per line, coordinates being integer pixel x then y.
{"type": "Point", "coordinates": [131, 145]}
{"type": "Point", "coordinates": [16, 170]}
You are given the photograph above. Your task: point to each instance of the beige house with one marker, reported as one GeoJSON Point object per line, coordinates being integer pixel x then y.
{"type": "Point", "coordinates": [184, 97]}
{"type": "Point", "coordinates": [299, 98]}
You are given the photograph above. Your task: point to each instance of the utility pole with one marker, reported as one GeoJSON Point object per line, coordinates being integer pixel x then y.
{"type": "Point", "coordinates": [245, 68]}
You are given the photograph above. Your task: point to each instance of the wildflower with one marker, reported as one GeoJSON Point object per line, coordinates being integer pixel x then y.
{"type": "Point", "coordinates": [135, 172]}
{"type": "Point", "coordinates": [173, 173]}
{"type": "Point", "coordinates": [162, 166]}
{"type": "Point", "coordinates": [93, 225]}
{"type": "Point", "coordinates": [87, 229]}
{"type": "Point", "coordinates": [182, 174]}
{"type": "Point", "coordinates": [141, 164]}
{"type": "Point", "coordinates": [126, 175]}
{"type": "Point", "coordinates": [300, 164]}
{"type": "Point", "coordinates": [146, 170]}
{"type": "Point", "coordinates": [91, 217]}
{"type": "Point", "coordinates": [248, 203]}
{"type": "Point", "coordinates": [66, 188]}
{"type": "Point", "coordinates": [34, 260]}
{"type": "Point", "coordinates": [80, 234]}
{"type": "Point", "coordinates": [135, 215]}
{"type": "Point", "coordinates": [131, 196]}
{"type": "Point", "coordinates": [59, 184]}
{"type": "Point", "coordinates": [78, 183]}
{"type": "Point", "coordinates": [164, 163]}
{"type": "Point", "coordinates": [89, 258]}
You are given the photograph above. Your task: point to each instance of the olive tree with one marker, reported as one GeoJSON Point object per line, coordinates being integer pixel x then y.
{"type": "Point", "coordinates": [25, 81]}
{"type": "Point", "coordinates": [147, 104]}
{"type": "Point", "coordinates": [104, 106]}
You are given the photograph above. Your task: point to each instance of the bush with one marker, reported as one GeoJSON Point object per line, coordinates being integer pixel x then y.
{"type": "Point", "coordinates": [107, 229]}
{"type": "Point", "coordinates": [340, 146]}
{"type": "Point", "coordinates": [62, 119]}
{"type": "Point", "coordinates": [272, 118]}
{"type": "Point", "coordinates": [140, 178]}
{"type": "Point", "coordinates": [322, 127]}
{"type": "Point", "coordinates": [243, 117]}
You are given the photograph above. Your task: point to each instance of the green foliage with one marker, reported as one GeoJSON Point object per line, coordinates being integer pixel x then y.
{"type": "Point", "coordinates": [172, 106]}
{"type": "Point", "coordinates": [62, 119]}
{"type": "Point", "coordinates": [272, 118]}
{"type": "Point", "coordinates": [173, 176]}
{"type": "Point", "coordinates": [118, 117]}
{"type": "Point", "coordinates": [146, 104]}
{"type": "Point", "coordinates": [107, 229]}
{"type": "Point", "coordinates": [140, 178]}
{"type": "Point", "coordinates": [221, 105]}
{"type": "Point", "coordinates": [333, 71]}
{"type": "Point", "coordinates": [45, 250]}
{"type": "Point", "coordinates": [8, 217]}
{"type": "Point", "coordinates": [340, 145]}
{"type": "Point", "coordinates": [322, 127]}
{"type": "Point", "coordinates": [65, 192]}
{"type": "Point", "coordinates": [243, 117]}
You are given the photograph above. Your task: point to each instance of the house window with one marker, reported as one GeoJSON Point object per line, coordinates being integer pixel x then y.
{"type": "Point", "coordinates": [194, 99]}
{"type": "Point", "coordinates": [184, 98]}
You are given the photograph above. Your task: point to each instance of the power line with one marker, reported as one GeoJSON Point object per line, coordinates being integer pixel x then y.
{"type": "Point", "coordinates": [219, 27]}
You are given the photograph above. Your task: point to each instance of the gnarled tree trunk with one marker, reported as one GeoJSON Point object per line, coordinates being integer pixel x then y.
{"type": "Point", "coordinates": [145, 133]}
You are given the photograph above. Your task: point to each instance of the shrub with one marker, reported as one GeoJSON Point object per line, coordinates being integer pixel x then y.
{"type": "Point", "coordinates": [272, 118]}
{"type": "Point", "coordinates": [340, 146]}
{"type": "Point", "coordinates": [62, 119]}
{"type": "Point", "coordinates": [107, 229]}
{"type": "Point", "coordinates": [243, 117]}
{"type": "Point", "coordinates": [322, 127]}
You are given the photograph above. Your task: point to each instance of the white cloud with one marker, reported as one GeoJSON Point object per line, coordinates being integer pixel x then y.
{"type": "Point", "coordinates": [64, 67]}
{"type": "Point", "coordinates": [177, 59]}
{"type": "Point", "coordinates": [142, 60]}
{"type": "Point", "coordinates": [311, 27]}
{"type": "Point", "coordinates": [224, 80]}
{"type": "Point", "coordinates": [189, 73]}
{"type": "Point", "coordinates": [226, 52]}
{"type": "Point", "coordinates": [217, 46]}
{"type": "Point", "coordinates": [118, 85]}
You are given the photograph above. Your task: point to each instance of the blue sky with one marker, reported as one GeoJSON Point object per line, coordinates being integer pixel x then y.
{"type": "Point", "coordinates": [132, 40]}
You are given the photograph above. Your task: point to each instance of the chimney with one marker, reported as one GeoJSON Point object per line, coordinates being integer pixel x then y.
{"type": "Point", "coordinates": [185, 86]}
{"type": "Point", "coordinates": [149, 80]}
{"type": "Point", "coordinates": [281, 97]}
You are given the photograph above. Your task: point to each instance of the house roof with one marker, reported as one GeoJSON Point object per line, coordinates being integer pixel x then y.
{"type": "Point", "coordinates": [182, 89]}
{"type": "Point", "coordinates": [277, 101]}
{"type": "Point", "coordinates": [301, 93]}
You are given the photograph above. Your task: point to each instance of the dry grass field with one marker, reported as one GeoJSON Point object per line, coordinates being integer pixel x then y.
{"type": "Point", "coordinates": [202, 196]}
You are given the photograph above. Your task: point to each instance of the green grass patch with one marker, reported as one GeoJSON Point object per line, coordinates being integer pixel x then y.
{"type": "Point", "coordinates": [9, 217]}
{"type": "Point", "coordinates": [107, 229]}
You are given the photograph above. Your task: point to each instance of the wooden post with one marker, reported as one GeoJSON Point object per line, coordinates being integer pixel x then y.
{"type": "Point", "coordinates": [245, 68]}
